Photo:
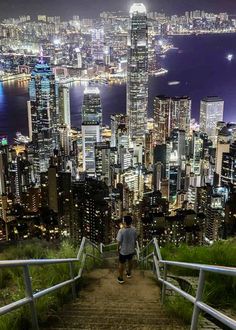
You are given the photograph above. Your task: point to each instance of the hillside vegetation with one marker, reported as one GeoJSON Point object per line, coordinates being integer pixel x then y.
{"type": "Point", "coordinates": [12, 282]}
{"type": "Point", "coordinates": [220, 290]}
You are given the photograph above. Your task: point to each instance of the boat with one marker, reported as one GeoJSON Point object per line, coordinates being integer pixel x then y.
{"type": "Point", "coordinates": [159, 72]}
{"type": "Point", "coordinates": [230, 57]}
{"type": "Point", "coordinates": [173, 83]}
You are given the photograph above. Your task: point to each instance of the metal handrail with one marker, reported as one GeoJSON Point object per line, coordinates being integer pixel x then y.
{"type": "Point", "coordinates": [31, 297]}
{"type": "Point", "coordinates": [199, 305]}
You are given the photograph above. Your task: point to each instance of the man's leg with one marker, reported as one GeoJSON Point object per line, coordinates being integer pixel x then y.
{"type": "Point", "coordinates": [130, 266]}
{"type": "Point", "coordinates": [121, 269]}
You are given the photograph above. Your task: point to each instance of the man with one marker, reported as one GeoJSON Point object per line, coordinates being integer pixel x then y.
{"type": "Point", "coordinates": [126, 239]}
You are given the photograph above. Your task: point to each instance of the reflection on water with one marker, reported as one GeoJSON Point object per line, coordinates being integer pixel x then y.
{"type": "Point", "coordinates": [1, 94]}
{"type": "Point", "coordinates": [200, 66]}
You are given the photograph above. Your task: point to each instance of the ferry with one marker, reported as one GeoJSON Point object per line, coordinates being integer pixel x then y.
{"type": "Point", "coordinates": [159, 72]}
{"type": "Point", "coordinates": [173, 83]}
{"type": "Point", "coordinates": [230, 57]}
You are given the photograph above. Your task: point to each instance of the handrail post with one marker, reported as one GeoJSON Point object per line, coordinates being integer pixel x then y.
{"type": "Point", "coordinates": [163, 292]}
{"type": "Point", "coordinates": [101, 248]}
{"type": "Point", "coordinates": [29, 294]}
{"type": "Point", "coordinates": [153, 265]}
{"type": "Point", "coordinates": [196, 309]}
{"type": "Point", "coordinates": [82, 264]}
{"type": "Point", "coordinates": [72, 277]}
{"type": "Point", "coordinates": [94, 259]}
{"type": "Point", "coordinates": [81, 247]}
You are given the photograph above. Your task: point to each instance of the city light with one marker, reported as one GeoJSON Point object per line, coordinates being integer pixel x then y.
{"type": "Point", "coordinates": [99, 118]}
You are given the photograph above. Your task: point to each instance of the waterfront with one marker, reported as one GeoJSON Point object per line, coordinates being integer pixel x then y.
{"type": "Point", "coordinates": [200, 65]}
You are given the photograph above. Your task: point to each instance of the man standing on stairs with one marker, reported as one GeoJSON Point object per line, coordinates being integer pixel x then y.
{"type": "Point", "coordinates": [126, 239]}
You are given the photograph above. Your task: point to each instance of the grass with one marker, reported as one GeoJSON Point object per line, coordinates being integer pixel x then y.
{"type": "Point", "coordinates": [180, 308]}
{"type": "Point", "coordinates": [220, 290]}
{"type": "Point", "coordinates": [12, 282]}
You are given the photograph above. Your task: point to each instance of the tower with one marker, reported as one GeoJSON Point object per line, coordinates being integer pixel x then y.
{"type": "Point", "coordinates": [92, 108]}
{"type": "Point", "coordinates": [211, 111]}
{"type": "Point", "coordinates": [43, 109]}
{"type": "Point", "coordinates": [91, 128]}
{"type": "Point", "coordinates": [64, 106]}
{"type": "Point", "coordinates": [137, 72]}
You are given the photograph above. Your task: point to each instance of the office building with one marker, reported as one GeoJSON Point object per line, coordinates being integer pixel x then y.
{"type": "Point", "coordinates": [171, 113]}
{"type": "Point", "coordinates": [64, 106]}
{"type": "Point", "coordinates": [211, 112]}
{"type": "Point", "coordinates": [137, 71]}
{"type": "Point", "coordinates": [91, 128]}
{"type": "Point", "coordinates": [92, 107]}
{"type": "Point", "coordinates": [43, 108]}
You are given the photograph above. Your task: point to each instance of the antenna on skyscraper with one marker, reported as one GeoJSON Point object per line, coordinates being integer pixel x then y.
{"type": "Point", "coordinates": [41, 55]}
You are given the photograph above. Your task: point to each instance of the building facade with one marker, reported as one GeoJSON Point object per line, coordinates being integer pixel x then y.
{"type": "Point", "coordinates": [137, 72]}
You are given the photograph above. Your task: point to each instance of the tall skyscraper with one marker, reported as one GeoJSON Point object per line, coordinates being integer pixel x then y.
{"type": "Point", "coordinates": [64, 106]}
{"type": "Point", "coordinates": [137, 71]}
{"type": "Point", "coordinates": [91, 128]}
{"type": "Point", "coordinates": [64, 120]}
{"type": "Point", "coordinates": [92, 108]}
{"type": "Point", "coordinates": [2, 175]}
{"type": "Point", "coordinates": [169, 114]}
{"type": "Point", "coordinates": [97, 44]}
{"type": "Point", "coordinates": [43, 111]}
{"type": "Point", "coordinates": [162, 118]}
{"type": "Point", "coordinates": [211, 111]}
{"type": "Point", "coordinates": [228, 168]}
{"type": "Point", "coordinates": [181, 113]}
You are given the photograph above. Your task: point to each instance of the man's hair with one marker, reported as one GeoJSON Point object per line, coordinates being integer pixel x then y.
{"type": "Point", "coordinates": [128, 220]}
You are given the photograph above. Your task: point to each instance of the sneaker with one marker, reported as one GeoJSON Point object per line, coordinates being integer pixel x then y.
{"type": "Point", "coordinates": [128, 275]}
{"type": "Point", "coordinates": [120, 280]}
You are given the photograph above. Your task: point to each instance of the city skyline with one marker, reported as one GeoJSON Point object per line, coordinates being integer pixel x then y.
{"type": "Point", "coordinates": [154, 164]}
{"type": "Point", "coordinates": [92, 9]}
{"type": "Point", "coordinates": [107, 103]}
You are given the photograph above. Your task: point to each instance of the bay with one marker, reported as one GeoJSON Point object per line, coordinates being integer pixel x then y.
{"type": "Point", "coordinates": [199, 64]}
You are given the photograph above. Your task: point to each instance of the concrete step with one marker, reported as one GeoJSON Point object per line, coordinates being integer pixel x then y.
{"type": "Point", "coordinates": [94, 326]}
{"type": "Point", "coordinates": [114, 320]}
{"type": "Point", "coordinates": [126, 302]}
{"type": "Point", "coordinates": [123, 311]}
{"type": "Point", "coordinates": [103, 304]}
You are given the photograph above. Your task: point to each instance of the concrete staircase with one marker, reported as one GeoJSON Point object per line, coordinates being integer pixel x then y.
{"type": "Point", "coordinates": [104, 304]}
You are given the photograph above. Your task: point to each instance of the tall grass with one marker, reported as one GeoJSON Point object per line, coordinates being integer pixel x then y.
{"type": "Point", "coordinates": [12, 282]}
{"type": "Point", "coordinates": [220, 290]}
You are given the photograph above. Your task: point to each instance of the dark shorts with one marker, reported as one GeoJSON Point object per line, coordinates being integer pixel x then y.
{"type": "Point", "coordinates": [123, 258]}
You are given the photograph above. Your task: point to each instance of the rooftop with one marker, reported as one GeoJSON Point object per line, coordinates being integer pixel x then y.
{"type": "Point", "coordinates": [138, 8]}
{"type": "Point", "coordinates": [91, 90]}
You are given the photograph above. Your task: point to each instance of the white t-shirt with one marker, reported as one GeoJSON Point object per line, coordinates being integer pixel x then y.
{"type": "Point", "coordinates": [127, 237]}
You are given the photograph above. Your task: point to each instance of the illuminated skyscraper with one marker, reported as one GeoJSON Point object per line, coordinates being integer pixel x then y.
{"type": "Point", "coordinates": [169, 114]}
{"type": "Point", "coordinates": [64, 106]}
{"type": "Point", "coordinates": [92, 107]}
{"type": "Point", "coordinates": [91, 127]}
{"type": "Point", "coordinates": [162, 118]}
{"type": "Point", "coordinates": [137, 71]}
{"type": "Point", "coordinates": [181, 113]}
{"type": "Point", "coordinates": [211, 111]}
{"type": "Point", "coordinates": [97, 44]}
{"type": "Point", "coordinates": [43, 110]}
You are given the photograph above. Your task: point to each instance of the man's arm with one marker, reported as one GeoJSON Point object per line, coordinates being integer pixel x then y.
{"type": "Point", "coordinates": [118, 246]}
{"type": "Point", "coordinates": [119, 240]}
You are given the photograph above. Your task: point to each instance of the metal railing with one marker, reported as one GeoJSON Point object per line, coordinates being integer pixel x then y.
{"type": "Point", "coordinates": [31, 297]}
{"type": "Point", "coordinates": [152, 250]}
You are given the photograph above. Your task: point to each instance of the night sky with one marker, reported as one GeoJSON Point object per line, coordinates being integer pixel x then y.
{"type": "Point", "coordinates": [91, 8]}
